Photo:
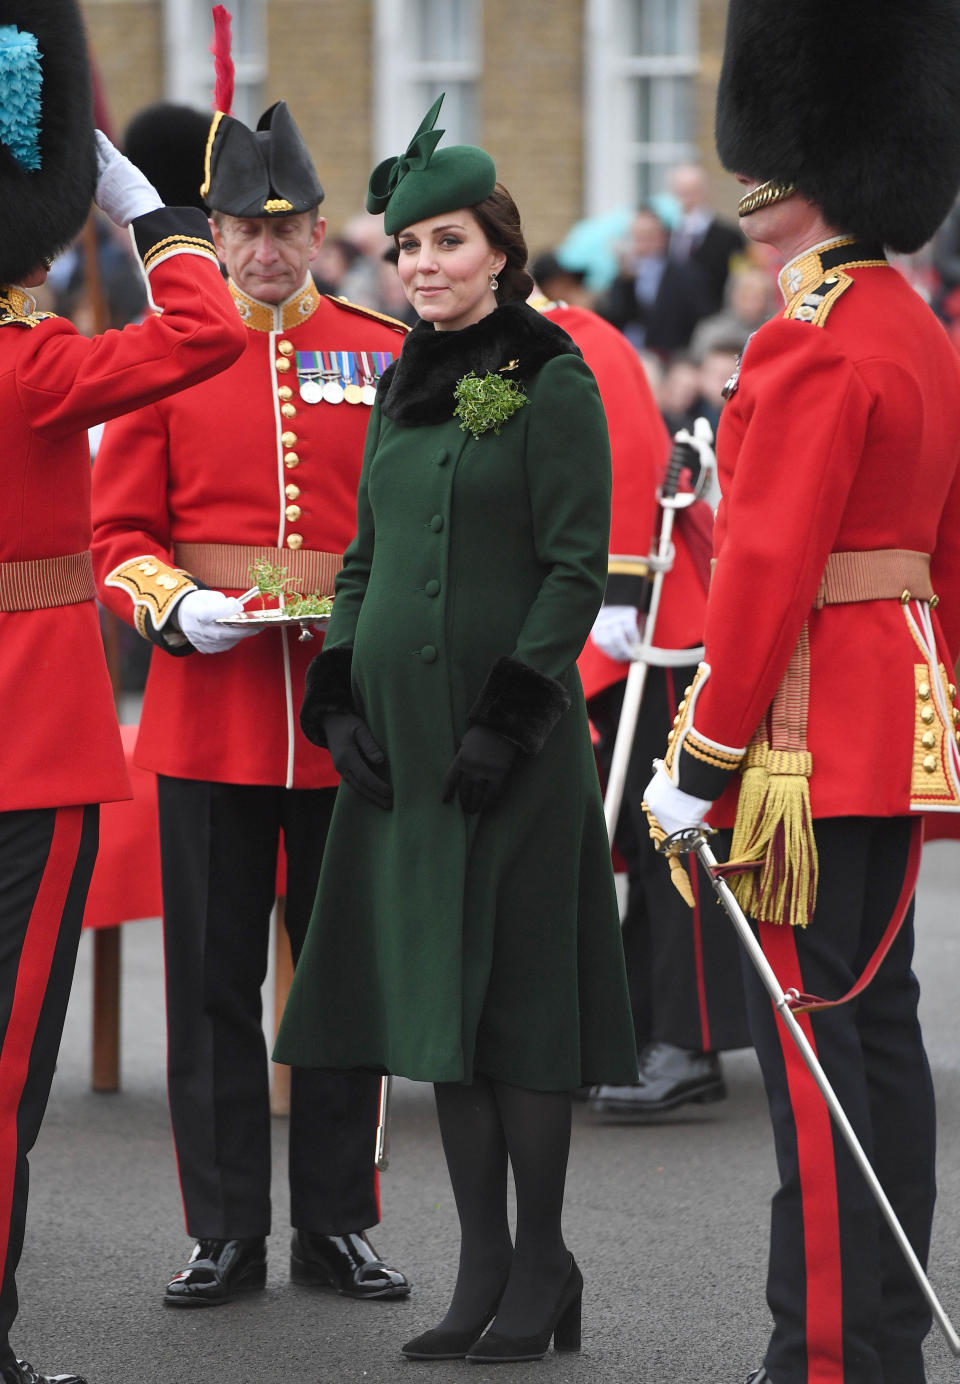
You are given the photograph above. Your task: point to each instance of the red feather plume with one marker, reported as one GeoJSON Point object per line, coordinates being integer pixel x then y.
{"type": "Point", "coordinates": [222, 61]}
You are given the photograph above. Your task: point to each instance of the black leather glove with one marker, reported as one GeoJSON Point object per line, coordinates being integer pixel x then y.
{"type": "Point", "coordinates": [479, 768]}
{"type": "Point", "coordinates": [357, 757]}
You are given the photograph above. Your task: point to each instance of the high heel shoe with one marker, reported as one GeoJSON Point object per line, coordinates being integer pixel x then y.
{"type": "Point", "coordinates": [440, 1344]}
{"type": "Point", "coordinates": [493, 1348]}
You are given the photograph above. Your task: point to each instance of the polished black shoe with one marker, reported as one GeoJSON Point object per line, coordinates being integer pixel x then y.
{"type": "Point", "coordinates": [759, 1376]}
{"type": "Point", "coordinates": [217, 1271]}
{"type": "Point", "coordinates": [348, 1264]}
{"type": "Point", "coordinates": [493, 1348]}
{"type": "Point", "coordinates": [22, 1372]}
{"type": "Point", "coordinates": [669, 1076]}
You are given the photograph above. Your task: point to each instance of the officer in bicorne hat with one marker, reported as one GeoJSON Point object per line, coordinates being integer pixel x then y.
{"type": "Point", "coordinates": [264, 465]}
{"type": "Point", "coordinates": [62, 754]}
{"type": "Point", "coordinates": [823, 723]}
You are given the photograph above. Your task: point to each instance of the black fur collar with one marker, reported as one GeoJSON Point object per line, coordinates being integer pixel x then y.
{"type": "Point", "coordinates": [419, 387]}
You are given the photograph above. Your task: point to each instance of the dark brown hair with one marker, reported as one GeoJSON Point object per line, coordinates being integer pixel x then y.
{"type": "Point", "coordinates": [499, 220]}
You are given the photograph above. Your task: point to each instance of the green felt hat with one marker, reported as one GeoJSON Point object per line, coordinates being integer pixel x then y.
{"type": "Point", "coordinates": [422, 182]}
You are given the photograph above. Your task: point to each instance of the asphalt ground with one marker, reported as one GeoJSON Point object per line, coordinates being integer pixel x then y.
{"type": "Point", "coordinates": [668, 1221]}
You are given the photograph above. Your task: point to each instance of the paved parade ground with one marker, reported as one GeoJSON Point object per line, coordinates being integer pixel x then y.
{"type": "Point", "coordinates": [668, 1221]}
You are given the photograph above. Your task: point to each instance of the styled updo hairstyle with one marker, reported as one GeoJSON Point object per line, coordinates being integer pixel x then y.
{"type": "Point", "coordinates": [499, 220]}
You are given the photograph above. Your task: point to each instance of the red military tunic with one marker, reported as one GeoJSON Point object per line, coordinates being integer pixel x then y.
{"type": "Point", "coordinates": [640, 447]}
{"type": "Point", "coordinates": [61, 745]}
{"type": "Point", "coordinates": [242, 459]}
{"type": "Point", "coordinates": [842, 435]}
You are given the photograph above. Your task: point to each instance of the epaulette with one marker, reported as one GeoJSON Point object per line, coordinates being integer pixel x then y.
{"type": "Point", "coordinates": [369, 312]}
{"type": "Point", "coordinates": [815, 304]}
{"type": "Point", "coordinates": [19, 309]}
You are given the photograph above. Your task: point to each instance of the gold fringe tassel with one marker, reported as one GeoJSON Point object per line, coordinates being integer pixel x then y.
{"type": "Point", "coordinates": [774, 828]}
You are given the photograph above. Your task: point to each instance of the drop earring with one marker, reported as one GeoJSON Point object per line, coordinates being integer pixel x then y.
{"type": "Point", "coordinates": [494, 282]}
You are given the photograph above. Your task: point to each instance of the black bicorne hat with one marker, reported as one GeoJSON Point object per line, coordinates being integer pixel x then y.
{"type": "Point", "coordinates": [167, 142]}
{"type": "Point", "coordinates": [855, 103]}
{"type": "Point", "coordinates": [267, 172]}
{"type": "Point", "coordinates": [48, 168]}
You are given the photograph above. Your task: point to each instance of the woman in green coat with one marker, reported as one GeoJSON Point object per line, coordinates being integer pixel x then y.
{"type": "Point", "coordinates": [465, 930]}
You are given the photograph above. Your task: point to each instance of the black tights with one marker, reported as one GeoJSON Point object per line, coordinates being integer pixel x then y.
{"type": "Point", "coordinates": [481, 1125]}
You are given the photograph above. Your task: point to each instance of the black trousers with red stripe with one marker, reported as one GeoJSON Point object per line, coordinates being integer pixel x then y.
{"type": "Point", "coordinates": [46, 860]}
{"type": "Point", "coordinates": [219, 845]}
{"type": "Point", "coordinates": [846, 1308]}
{"type": "Point", "coordinates": [683, 965]}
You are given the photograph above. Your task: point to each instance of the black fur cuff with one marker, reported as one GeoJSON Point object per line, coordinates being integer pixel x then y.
{"type": "Point", "coordinates": [520, 704]}
{"type": "Point", "coordinates": [327, 688]}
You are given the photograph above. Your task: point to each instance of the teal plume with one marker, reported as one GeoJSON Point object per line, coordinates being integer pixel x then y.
{"type": "Point", "coordinates": [21, 79]}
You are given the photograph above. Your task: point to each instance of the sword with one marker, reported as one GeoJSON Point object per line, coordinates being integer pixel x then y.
{"type": "Point", "coordinates": [381, 1155]}
{"type": "Point", "coordinates": [646, 654]}
{"type": "Point", "coordinates": [695, 839]}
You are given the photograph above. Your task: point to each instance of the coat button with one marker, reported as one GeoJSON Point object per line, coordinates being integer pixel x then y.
{"type": "Point", "coordinates": [294, 540]}
{"type": "Point", "coordinates": [289, 439]}
{"type": "Point", "coordinates": [926, 715]}
{"type": "Point", "coordinates": [442, 457]}
{"type": "Point", "coordinates": [290, 460]}
{"type": "Point", "coordinates": [293, 512]}
{"type": "Point", "coordinates": [283, 365]}
{"type": "Point", "coordinates": [929, 764]}
{"type": "Point", "coordinates": [436, 523]}
{"type": "Point", "coordinates": [428, 654]}
{"type": "Point", "coordinates": [923, 691]}
{"type": "Point", "coordinates": [288, 410]}
{"type": "Point", "coordinates": [292, 491]}
{"type": "Point", "coordinates": [285, 393]}
{"type": "Point", "coordinates": [432, 587]}
{"type": "Point", "coordinates": [928, 740]}
{"type": "Point", "coordinates": [285, 348]}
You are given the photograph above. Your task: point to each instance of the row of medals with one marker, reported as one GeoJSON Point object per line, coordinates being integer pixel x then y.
{"type": "Point", "coordinates": [332, 390]}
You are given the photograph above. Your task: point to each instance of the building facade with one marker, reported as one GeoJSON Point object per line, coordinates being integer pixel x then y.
{"type": "Point", "coordinates": [584, 104]}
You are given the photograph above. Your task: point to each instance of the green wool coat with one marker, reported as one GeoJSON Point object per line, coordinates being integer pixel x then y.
{"type": "Point", "coordinates": [441, 943]}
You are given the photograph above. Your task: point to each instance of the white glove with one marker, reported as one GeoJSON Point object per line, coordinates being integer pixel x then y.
{"type": "Point", "coordinates": [616, 631]}
{"type": "Point", "coordinates": [197, 615]}
{"type": "Point", "coordinates": [672, 808]}
{"type": "Point", "coordinates": [123, 192]}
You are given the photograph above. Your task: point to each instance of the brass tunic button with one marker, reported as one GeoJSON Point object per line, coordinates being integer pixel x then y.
{"type": "Point", "coordinates": [284, 392]}
{"type": "Point", "coordinates": [283, 365]}
{"type": "Point", "coordinates": [928, 740]}
{"type": "Point", "coordinates": [294, 540]}
{"type": "Point", "coordinates": [428, 654]}
{"type": "Point", "coordinates": [293, 513]}
{"type": "Point", "coordinates": [285, 348]}
{"type": "Point", "coordinates": [926, 715]}
{"type": "Point", "coordinates": [432, 587]}
{"type": "Point", "coordinates": [934, 601]}
{"type": "Point", "coordinates": [290, 460]}
{"type": "Point", "coordinates": [956, 715]}
{"type": "Point", "coordinates": [930, 764]}
{"type": "Point", "coordinates": [289, 439]}
{"type": "Point", "coordinates": [923, 691]}
{"type": "Point", "coordinates": [288, 410]}
{"type": "Point", "coordinates": [436, 523]}
{"type": "Point", "coordinates": [292, 491]}
{"type": "Point", "coordinates": [904, 597]}
{"type": "Point", "coordinates": [951, 691]}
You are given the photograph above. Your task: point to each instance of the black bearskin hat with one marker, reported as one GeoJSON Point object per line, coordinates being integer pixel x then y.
{"type": "Point", "coordinates": [267, 172]}
{"type": "Point", "coordinates": [856, 103]}
{"type": "Point", "coordinates": [167, 143]}
{"type": "Point", "coordinates": [48, 168]}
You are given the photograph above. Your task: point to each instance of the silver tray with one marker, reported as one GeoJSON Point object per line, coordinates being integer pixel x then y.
{"type": "Point", "coordinates": [248, 618]}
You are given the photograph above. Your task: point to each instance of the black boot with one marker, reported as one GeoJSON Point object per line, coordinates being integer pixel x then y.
{"type": "Point", "coordinates": [22, 1372]}
{"type": "Point", "coordinates": [217, 1271]}
{"type": "Point", "coordinates": [348, 1264]}
{"type": "Point", "coordinates": [669, 1076]}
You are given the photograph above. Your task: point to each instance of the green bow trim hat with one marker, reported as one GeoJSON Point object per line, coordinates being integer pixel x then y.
{"type": "Point", "coordinates": [422, 182]}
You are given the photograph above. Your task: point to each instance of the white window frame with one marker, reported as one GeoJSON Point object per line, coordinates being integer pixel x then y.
{"type": "Point", "coordinates": [399, 71]}
{"type": "Point", "coordinates": [610, 156]}
{"type": "Point", "coordinates": [189, 76]}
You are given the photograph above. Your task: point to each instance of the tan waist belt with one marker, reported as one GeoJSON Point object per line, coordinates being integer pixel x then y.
{"type": "Point", "coordinates": [875, 575]}
{"type": "Point", "coordinates": [226, 566]}
{"type": "Point", "coordinates": [44, 582]}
